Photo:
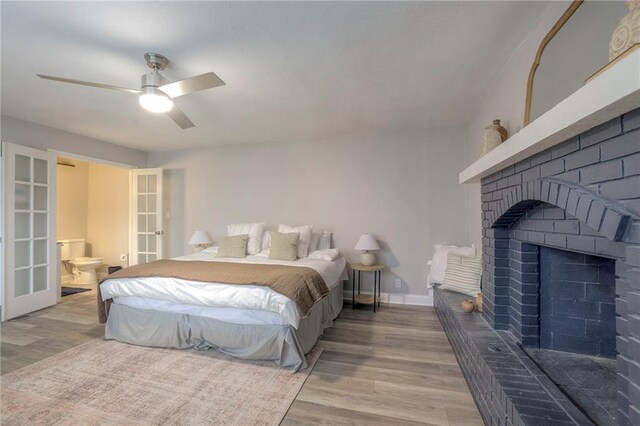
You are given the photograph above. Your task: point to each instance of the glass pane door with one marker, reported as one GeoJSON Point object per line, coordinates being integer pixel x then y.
{"type": "Point", "coordinates": [29, 200]}
{"type": "Point", "coordinates": [147, 220]}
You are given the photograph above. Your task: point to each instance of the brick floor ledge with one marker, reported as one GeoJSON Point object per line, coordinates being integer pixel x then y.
{"type": "Point", "coordinates": [507, 386]}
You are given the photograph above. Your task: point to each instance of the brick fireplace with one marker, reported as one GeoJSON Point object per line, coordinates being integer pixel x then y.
{"type": "Point", "coordinates": [561, 281]}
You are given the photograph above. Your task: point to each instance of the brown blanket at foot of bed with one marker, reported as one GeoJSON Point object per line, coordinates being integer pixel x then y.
{"type": "Point", "coordinates": [303, 285]}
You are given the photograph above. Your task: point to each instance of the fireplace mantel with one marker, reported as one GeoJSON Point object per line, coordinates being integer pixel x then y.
{"type": "Point", "coordinates": [612, 93]}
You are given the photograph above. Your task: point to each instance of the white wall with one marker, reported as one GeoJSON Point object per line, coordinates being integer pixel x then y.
{"type": "Point", "coordinates": [43, 137]}
{"type": "Point", "coordinates": [505, 99]}
{"type": "Point", "coordinates": [400, 187]}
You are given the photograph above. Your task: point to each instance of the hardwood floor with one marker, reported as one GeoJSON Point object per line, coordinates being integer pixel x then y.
{"type": "Point", "coordinates": [394, 367]}
{"type": "Point", "coordinates": [43, 333]}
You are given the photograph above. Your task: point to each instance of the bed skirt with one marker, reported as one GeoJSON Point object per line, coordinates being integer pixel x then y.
{"type": "Point", "coordinates": [282, 344]}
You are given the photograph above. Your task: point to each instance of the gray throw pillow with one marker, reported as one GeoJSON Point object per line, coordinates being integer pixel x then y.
{"type": "Point", "coordinates": [284, 246]}
{"type": "Point", "coordinates": [235, 246]}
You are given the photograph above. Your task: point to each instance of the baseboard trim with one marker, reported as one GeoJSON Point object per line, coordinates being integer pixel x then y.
{"type": "Point", "coordinates": [399, 298]}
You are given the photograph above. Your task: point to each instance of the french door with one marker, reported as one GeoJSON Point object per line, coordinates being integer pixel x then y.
{"type": "Point", "coordinates": [30, 266]}
{"type": "Point", "coordinates": [146, 223]}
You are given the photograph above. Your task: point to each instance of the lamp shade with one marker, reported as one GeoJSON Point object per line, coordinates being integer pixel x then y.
{"type": "Point", "coordinates": [367, 242]}
{"type": "Point", "coordinates": [199, 237]}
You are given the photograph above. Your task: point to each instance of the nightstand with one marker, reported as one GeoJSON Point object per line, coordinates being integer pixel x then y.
{"type": "Point", "coordinates": [366, 299]}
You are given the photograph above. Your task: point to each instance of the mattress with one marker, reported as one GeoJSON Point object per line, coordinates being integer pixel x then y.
{"type": "Point", "coordinates": [195, 294]}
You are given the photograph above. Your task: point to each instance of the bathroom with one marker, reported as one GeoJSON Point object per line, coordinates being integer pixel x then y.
{"type": "Point", "coordinates": [92, 221]}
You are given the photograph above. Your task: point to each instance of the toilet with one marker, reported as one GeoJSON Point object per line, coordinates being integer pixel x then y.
{"type": "Point", "coordinates": [84, 268]}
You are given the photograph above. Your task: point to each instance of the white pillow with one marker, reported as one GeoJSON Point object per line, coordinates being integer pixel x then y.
{"type": "Point", "coordinates": [266, 240]}
{"type": "Point", "coordinates": [315, 239]}
{"type": "Point", "coordinates": [305, 237]}
{"type": "Point", "coordinates": [254, 230]}
{"type": "Point", "coordinates": [212, 249]}
{"type": "Point", "coordinates": [325, 241]}
{"type": "Point", "coordinates": [263, 253]}
{"type": "Point", "coordinates": [439, 261]}
{"type": "Point", "coordinates": [328, 254]}
{"type": "Point", "coordinates": [463, 274]}
{"type": "Point", "coordinates": [320, 241]}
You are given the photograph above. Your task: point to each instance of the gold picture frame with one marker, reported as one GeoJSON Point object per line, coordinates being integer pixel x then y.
{"type": "Point", "coordinates": [575, 4]}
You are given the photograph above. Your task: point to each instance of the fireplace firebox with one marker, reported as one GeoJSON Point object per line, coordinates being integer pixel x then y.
{"type": "Point", "coordinates": [577, 303]}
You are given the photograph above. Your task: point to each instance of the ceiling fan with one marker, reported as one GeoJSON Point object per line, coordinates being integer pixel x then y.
{"type": "Point", "coordinates": [156, 93]}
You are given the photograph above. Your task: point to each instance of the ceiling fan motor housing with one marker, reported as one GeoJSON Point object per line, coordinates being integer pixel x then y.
{"type": "Point", "coordinates": [153, 80]}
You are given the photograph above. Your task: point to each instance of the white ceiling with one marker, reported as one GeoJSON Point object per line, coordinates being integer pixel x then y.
{"type": "Point", "coordinates": [294, 70]}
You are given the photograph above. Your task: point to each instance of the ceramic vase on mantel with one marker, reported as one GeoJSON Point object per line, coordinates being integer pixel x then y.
{"type": "Point", "coordinates": [490, 139]}
{"type": "Point", "coordinates": [627, 33]}
{"type": "Point", "coordinates": [504, 135]}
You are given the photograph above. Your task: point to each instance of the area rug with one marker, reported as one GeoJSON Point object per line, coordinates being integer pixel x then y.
{"type": "Point", "coordinates": [66, 291]}
{"type": "Point", "coordinates": [108, 382]}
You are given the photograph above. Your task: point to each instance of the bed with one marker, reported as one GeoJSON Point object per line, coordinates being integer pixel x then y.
{"type": "Point", "coordinates": [246, 321]}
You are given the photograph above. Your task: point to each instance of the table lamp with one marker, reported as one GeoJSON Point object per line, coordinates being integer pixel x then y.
{"type": "Point", "coordinates": [367, 243]}
{"type": "Point", "coordinates": [198, 240]}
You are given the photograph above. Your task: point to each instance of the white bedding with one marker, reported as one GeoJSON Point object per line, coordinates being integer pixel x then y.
{"type": "Point", "coordinates": [217, 295]}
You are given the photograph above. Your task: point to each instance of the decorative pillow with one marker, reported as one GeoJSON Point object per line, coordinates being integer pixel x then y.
{"type": "Point", "coordinates": [463, 274]}
{"type": "Point", "coordinates": [305, 237]}
{"type": "Point", "coordinates": [328, 254]}
{"type": "Point", "coordinates": [254, 230]}
{"type": "Point", "coordinates": [439, 261]}
{"type": "Point", "coordinates": [284, 246]}
{"type": "Point", "coordinates": [325, 240]}
{"type": "Point", "coordinates": [235, 246]}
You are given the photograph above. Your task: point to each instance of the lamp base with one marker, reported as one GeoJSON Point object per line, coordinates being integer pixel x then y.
{"type": "Point", "coordinates": [367, 259]}
{"type": "Point", "coordinates": [197, 249]}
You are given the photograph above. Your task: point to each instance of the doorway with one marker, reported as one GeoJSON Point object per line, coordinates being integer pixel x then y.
{"type": "Point", "coordinates": [92, 222]}
{"type": "Point", "coordinates": [125, 210]}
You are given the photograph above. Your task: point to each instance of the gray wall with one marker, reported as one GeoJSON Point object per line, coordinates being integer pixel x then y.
{"type": "Point", "coordinates": [578, 50]}
{"type": "Point", "coordinates": [401, 187]}
{"type": "Point", "coordinates": [505, 99]}
{"type": "Point", "coordinates": [42, 137]}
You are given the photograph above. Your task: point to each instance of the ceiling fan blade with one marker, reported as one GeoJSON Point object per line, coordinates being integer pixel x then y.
{"type": "Point", "coordinates": [180, 118]}
{"type": "Point", "coordinates": [190, 85]}
{"type": "Point", "coordinates": [88, 83]}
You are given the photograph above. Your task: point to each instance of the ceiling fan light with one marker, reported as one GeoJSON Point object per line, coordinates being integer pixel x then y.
{"type": "Point", "coordinates": [154, 102]}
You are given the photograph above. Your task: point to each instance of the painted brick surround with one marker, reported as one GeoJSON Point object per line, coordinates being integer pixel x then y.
{"type": "Point", "coordinates": [581, 196]}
